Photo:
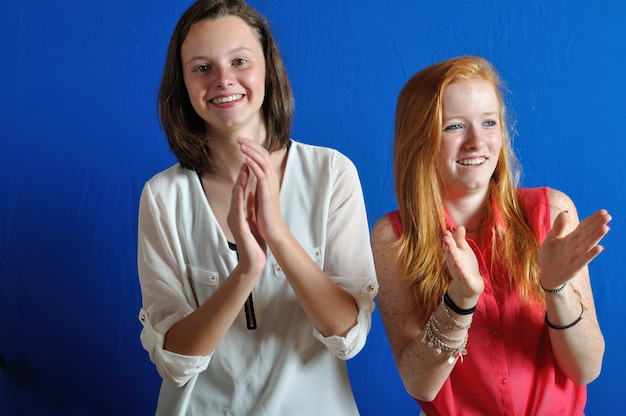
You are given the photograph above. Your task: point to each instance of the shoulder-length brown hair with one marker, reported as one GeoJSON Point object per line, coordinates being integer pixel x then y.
{"type": "Point", "coordinates": [184, 128]}
{"type": "Point", "coordinates": [419, 189]}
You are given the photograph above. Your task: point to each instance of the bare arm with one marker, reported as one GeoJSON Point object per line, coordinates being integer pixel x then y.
{"type": "Point", "coordinates": [331, 309]}
{"type": "Point", "coordinates": [422, 371]}
{"type": "Point", "coordinates": [199, 333]}
{"type": "Point", "coordinates": [564, 257]}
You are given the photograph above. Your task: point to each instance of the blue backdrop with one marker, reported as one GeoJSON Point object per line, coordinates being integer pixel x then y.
{"type": "Point", "coordinates": [79, 136]}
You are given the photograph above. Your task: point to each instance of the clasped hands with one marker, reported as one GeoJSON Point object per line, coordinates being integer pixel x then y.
{"type": "Point", "coordinates": [254, 216]}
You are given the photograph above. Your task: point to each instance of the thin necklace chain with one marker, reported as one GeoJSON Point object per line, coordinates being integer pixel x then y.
{"type": "Point", "coordinates": [476, 228]}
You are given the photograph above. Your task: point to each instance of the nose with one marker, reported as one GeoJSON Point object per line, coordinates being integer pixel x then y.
{"type": "Point", "coordinates": [474, 137]}
{"type": "Point", "coordinates": [223, 77]}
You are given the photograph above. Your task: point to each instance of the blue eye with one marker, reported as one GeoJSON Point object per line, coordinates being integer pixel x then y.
{"type": "Point", "coordinates": [490, 123]}
{"type": "Point", "coordinates": [453, 127]}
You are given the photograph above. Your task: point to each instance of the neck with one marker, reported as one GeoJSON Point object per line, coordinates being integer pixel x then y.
{"type": "Point", "coordinates": [468, 212]}
{"type": "Point", "coordinates": [226, 152]}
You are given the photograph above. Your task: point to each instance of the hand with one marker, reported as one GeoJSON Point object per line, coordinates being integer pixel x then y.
{"type": "Point", "coordinates": [268, 216]}
{"type": "Point", "coordinates": [563, 255]}
{"type": "Point", "coordinates": [467, 283]}
{"type": "Point", "coordinates": [242, 221]}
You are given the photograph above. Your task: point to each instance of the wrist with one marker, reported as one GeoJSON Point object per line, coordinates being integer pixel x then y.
{"type": "Point", "coordinates": [279, 238]}
{"type": "Point", "coordinates": [459, 296]}
{"type": "Point", "coordinates": [447, 300]}
{"type": "Point", "coordinates": [554, 290]}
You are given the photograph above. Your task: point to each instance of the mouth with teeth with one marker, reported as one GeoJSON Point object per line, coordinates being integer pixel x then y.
{"type": "Point", "coordinates": [472, 162]}
{"type": "Point", "coordinates": [228, 99]}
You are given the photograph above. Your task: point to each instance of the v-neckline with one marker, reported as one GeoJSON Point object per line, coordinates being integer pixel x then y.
{"type": "Point", "coordinates": [284, 177]}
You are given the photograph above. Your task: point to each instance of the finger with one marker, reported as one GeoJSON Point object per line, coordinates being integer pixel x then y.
{"type": "Point", "coordinates": [596, 221]}
{"type": "Point", "coordinates": [244, 175]}
{"type": "Point", "coordinates": [247, 142]}
{"type": "Point", "coordinates": [263, 171]}
{"type": "Point", "coordinates": [448, 241]}
{"type": "Point", "coordinates": [586, 258]}
{"type": "Point", "coordinates": [452, 252]}
{"type": "Point", "coordinates": [459, 236]}
{"type": "Point", "coordinates": [243, 179]}
{"type": "Point", "coordinates": [257, 168]}
{"type": "Point", "coordinates": [236, 215]}
{"type": "Point", "coordinates": [601, 215]}
{"type": "Point", "coordinates": [251, 207]}
{"type": "Point", "coordinates": [593, 237]}
{"type": "Point", "coordinates": [559, 226]}
{"type": "Point", "coordinates": [240, 186]}
{"type": "Point", "coordinates": [593, 228]}
{"type": "Point", "coordinates": [254, 151]}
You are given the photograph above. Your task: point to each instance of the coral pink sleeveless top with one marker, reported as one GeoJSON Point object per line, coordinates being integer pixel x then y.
{"type": "Point", "coordinates": [510, 368]}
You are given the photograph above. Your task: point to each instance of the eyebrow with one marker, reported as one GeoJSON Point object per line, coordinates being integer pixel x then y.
{"type": "Point", "coordinates": [230, 52]}
{"type": "Point", "coordinates": [485, 114]}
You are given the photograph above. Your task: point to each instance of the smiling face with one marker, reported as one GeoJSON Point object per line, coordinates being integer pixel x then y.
{"type": "Point", "coordinates": [471, 139]}
{"type": "Point", "coordinates": [224, 72]}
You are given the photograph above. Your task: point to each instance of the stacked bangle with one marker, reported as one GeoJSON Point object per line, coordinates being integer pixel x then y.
{"type": "Point", "coordinates": [432, 338]}
{"type": "Point", "coordinates": [450, 304]}
{"type": "Point", "coordinates": [435, 338]}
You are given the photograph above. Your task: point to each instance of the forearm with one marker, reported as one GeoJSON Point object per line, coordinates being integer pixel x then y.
{"type": "Point", "coordinates": [563, 258]}
{"type": "Point", "coordinates": [199, 333]}
{"type": "Point", "coordinates": [579, 348]}
{"type": "Point", "coordinates": [332, 310]}
{"type": "Point", "coordinates": [426, 362]}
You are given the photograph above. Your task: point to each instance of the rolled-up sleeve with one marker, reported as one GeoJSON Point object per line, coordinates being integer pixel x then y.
{"type": "Point", "coordinates": [166, 297]}
{"type": "Point", "coordinates": [348, 256]}
{"type": "Point", "coordinates": [354, 341]}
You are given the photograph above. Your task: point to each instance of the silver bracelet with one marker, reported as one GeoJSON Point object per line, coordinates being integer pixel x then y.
{"type": "Point", "coordinates": [444, 326]}
{"type": "Point", "coordinates": [433, 325]}
{"type": "Point", "coordinates": [431, 339]}
{"type": "Point", "coordinates": [457, 324]}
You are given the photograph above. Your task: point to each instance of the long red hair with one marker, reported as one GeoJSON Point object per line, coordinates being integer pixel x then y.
{"type": "Point", "coordinates": [419, 190]}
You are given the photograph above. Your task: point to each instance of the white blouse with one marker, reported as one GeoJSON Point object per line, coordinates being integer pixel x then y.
{"type": "Point", "coordinates": [285, 366]}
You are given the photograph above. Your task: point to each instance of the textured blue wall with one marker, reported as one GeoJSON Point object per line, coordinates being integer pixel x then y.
{"type": "Point", "coordinates": [79, 137]}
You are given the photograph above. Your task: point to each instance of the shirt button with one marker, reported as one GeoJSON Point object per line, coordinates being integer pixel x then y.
{"type": "Point", "coordinates": [370, 288]}
{"type": "Point", "coordinates": [504, 380]}
{"type": "Point", "coordinates": [496, 332]}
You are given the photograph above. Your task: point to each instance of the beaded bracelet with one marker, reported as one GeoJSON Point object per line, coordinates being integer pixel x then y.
{"type": "Point", "coordinates": [560, 327]}
{"type": "Point", "coordinates": [557, 290]}
{"type": "Point", "coordinates": [455, 307]}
